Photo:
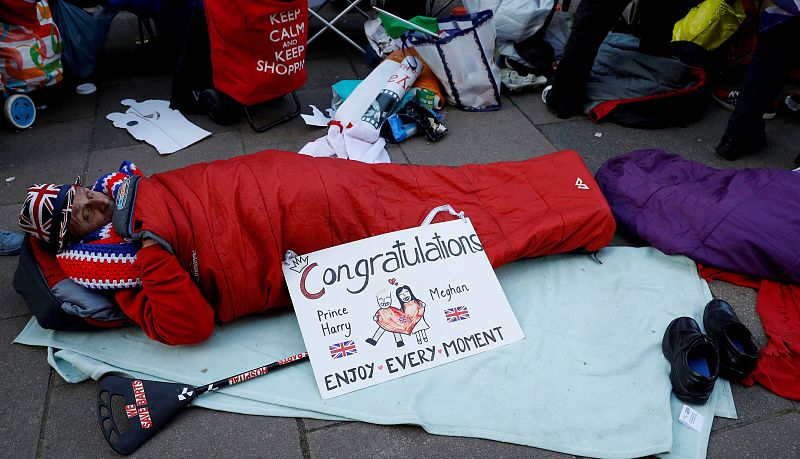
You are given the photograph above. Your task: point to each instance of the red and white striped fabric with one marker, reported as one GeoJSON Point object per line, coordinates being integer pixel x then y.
{"type": "Point", "coordinates": [103, 264]}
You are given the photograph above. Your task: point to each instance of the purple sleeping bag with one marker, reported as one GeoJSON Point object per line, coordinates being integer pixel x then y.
{"type": "Point", "coordinates": [746, 221]}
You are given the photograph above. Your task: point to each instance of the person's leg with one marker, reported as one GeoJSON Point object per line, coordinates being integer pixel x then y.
{"type": "Point", "coordinates": [378, 333]}
{"type": "Point", "coordinates": [593, 21]}
{"type": "Point", "coordinates": [745, 132]}
{"type": "Point", "coordinates": [398, 340]}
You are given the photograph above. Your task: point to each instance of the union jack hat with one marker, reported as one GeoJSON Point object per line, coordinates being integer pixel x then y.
{"type": "Point", "coordinates": [46, 212]}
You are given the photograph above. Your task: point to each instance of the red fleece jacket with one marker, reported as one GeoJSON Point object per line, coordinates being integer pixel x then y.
{"type": "Point", "coordinates": [169, 307]}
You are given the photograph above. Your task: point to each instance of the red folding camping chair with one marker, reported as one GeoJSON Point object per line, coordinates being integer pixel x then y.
{"type": "Point", "coordinates": [258, 51]}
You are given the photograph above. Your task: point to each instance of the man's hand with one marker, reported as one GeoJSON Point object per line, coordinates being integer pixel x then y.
{"type": "Point", "coordinates": [148, 242]}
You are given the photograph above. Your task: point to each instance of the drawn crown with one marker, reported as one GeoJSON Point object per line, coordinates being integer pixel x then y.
{"type": "Point", "coordinates": [298, 264]}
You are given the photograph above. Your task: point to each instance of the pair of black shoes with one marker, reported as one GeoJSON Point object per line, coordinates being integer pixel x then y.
{"type": "Point", "coordinates": [697, 359]}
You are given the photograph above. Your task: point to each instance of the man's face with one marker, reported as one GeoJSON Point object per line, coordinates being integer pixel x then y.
{"type": "Point", "coordinates": [384, 301]}
{"type": "Point", "coordinates": [90, 210]}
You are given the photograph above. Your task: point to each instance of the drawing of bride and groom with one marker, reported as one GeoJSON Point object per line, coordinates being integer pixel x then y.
{"type": "Point", "coordinates": [407, 319]}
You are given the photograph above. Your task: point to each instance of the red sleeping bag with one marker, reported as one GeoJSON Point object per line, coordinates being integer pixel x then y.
{"type": "Point", "coordinates": [230, 222]}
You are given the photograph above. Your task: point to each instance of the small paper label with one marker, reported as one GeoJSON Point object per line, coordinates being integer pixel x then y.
{"type": "Point", "coordinates": [691, 418]}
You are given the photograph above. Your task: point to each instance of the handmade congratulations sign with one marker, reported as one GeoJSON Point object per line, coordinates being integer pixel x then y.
{"type": "Point", "coordinates": [391, 305]}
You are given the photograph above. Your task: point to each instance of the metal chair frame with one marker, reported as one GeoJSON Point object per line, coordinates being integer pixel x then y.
{"type": "Point", "coordinates": [272, 124]}
{"type": "Point", "coordinates": [330, 24]}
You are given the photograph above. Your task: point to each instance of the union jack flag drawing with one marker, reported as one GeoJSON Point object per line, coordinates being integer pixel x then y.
{"type": "Point", "coordinates": [344, 349]}
{"type": "Point", "coordinates": [457, 313]}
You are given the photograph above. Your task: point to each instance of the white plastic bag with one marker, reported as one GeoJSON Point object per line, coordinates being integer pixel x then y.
{"type": "Point", "coordinates": [515, 20]}
{"type": "Point", "coordinates": [462, 58]}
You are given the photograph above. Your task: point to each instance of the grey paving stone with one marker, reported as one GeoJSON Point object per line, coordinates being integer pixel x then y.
{"type": "Point", "coordinates": [530, 103]}
{"type": "Point", "coordinates": [480, 137]}
{"type": "Point", "coordinates": [695, 142]}
{"type": "Point", "coordinates": [396, 154]}
{"type": "Point", "coordinates": [774, 438]}
{"type": "Point", "coordinates": [72, 431]}
{"type": "Point", "coordinates": [780, 151]}
{"type": "Point", "coordinates": [316, 424]}
{"type": "Point", "coordinates": [71, 428]}
{"type": "Point", "coordinates": [9, 217]}
{"type": "Point", "coordinates": [11, 304]}
{"type": "Point", "coordinates": [325, 71]}
{"type": "Point", "coordinates": [203, 120]}
{"type": "Point", "coordinates": [359, 63]}
{"type": "Point", "coordinates": [622, 241]}
{"type": "Point", "coordinates": [292, 135]}
{"type": "Point", "coordinates": [23, 390]}
{"type": "Point", "coordinates": [753, 404]}
{"type": "Point", "coordinates": [200, 433]}
{"type": "Point", "coordinates": [218, 146]}
{"type": "Point", "coordinates": [53, 152]}
{"type": "Point", "coordinates": [409, 441]}
{"type": "Point", "coordinates": [67, 106]}
{"type": "Point", "coordinates": [105, 134]}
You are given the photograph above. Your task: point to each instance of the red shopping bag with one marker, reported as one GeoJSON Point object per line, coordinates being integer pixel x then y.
{"type": "Point", "coordinates": [258, 47]}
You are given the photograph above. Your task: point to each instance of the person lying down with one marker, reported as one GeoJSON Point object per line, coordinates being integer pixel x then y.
{"type": "Point", "coordinates": [179, 251]}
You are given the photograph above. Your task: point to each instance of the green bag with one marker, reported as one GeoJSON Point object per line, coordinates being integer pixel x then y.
{"type": "Point", "coordinates": [710, 23]}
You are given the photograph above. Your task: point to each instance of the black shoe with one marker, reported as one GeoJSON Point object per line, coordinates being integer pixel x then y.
{"type": "Point", "coordinates": [557, 112]}
{"type": "Point", "coordinates": [693, 359]}
{"type": "Point", "coordinates": [371, 341]}
{"type": "Point", "coordinates": [737, 350]}
{"type": "Point", "coordinates": [400, 344]}
{"type": "Point", "coordinates": [733, 150]}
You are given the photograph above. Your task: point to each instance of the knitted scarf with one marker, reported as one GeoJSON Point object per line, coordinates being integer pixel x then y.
{"type": "Point", "coordinates": [103, 260]}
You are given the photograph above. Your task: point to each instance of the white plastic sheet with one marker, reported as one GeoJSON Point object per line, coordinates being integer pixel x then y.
{"type": "Point", "coordinates": [157, 124]}
{"type": "Point", "coordinates": [359, 141]}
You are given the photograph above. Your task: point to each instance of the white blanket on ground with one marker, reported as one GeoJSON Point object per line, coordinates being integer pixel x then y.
{"type": "Point", "coordinates": [589, 378]}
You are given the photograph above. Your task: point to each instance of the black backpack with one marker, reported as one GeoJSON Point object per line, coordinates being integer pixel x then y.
{"type": "Point", "coordinates": [31, 284]}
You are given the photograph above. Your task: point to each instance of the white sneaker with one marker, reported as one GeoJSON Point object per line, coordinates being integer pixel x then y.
{"type": "Point", "coordinates": [512, 80]}
{"type": "Point", "coordinates": [545, 92]}
{"type": "Point", "coordinates": [792, 101]}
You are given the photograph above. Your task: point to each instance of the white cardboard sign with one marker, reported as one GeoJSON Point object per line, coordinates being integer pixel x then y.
{"type": "Point", "coordinates": [395, 304]}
